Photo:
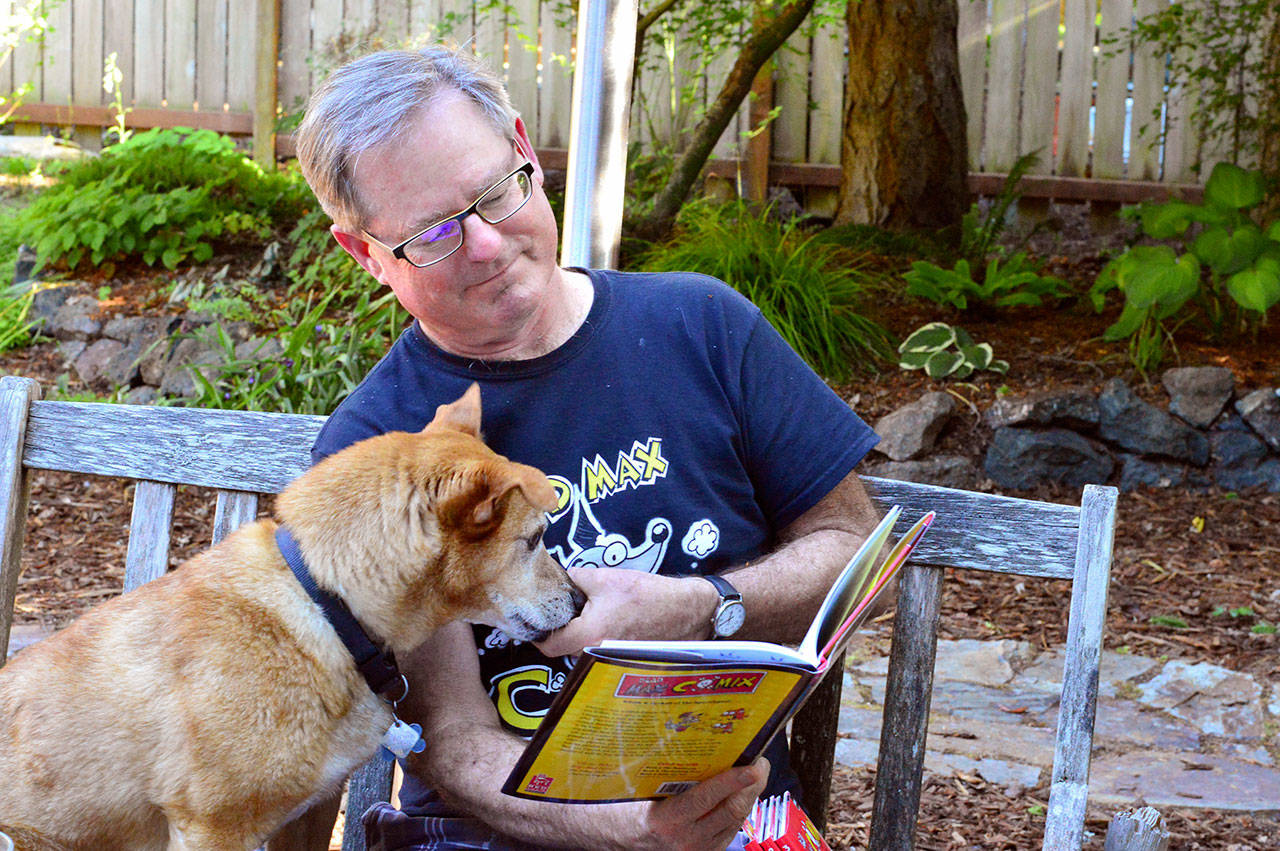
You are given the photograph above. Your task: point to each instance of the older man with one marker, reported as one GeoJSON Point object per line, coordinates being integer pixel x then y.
{"type": "Point", "coordinates": [684, 437]}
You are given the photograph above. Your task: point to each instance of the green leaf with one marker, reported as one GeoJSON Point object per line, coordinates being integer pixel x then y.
{"type": "Point", "coordinates": [979, 355]}
{"type": "Point", "coordinates": [1227, 252]}
{"type": "Point", "coordinates": [914, 360]}
{"type": "Point", "coordinates": [1273, 232]}
{"type": "Point", "coordinates": [1257, 288]}
{"type": "Point", "coordinates": [1166, 220]}
{"type": "Point", "coordinates": [171, 258]}
{"type": "Point", "coordinates": [1131, 319]}
{"type": "Point", "coordinates": [929, 338]}
{"type": "Point", "coordinates": [1154, 274]}
{"type": "Point", "coordinates": [1233, 187]}
{"type": "Point", "coordinates": [942, 364]}
{"type": "Point", "coordinates": [1000, 366]}
{"type": "Point", "coordinates": [1168, 620]}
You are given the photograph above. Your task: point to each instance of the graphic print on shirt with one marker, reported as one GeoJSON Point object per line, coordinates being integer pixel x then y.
{"type": "Point", "coordinates": [524, 692]}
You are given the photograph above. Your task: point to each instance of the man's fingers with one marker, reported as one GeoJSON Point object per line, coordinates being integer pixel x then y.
{"type": "Point", "coordinates": [734, 789]}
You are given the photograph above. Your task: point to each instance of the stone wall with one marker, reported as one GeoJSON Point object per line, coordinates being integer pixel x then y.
{"type": "Point", "coordinates": [1212, 433]}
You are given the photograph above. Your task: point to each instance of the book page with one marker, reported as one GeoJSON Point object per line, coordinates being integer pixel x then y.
{"type": "Point", "coordinates": [636, 732]}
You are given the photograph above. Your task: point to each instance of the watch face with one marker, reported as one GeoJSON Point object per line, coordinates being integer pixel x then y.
{"type": "Point", "coordinates": [729, 618]}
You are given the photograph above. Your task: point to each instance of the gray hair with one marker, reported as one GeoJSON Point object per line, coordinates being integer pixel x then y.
{"type": "Point", "coordinates": [370, 101]}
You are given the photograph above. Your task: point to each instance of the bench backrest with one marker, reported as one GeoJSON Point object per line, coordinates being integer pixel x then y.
{"type": "Point", "coordinates": [242, 455]}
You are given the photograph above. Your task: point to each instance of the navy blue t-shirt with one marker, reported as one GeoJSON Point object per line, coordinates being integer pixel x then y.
{"type": "Point", "coordinates": [680, 431]}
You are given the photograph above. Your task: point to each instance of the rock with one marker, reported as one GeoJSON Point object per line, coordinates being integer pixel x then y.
{"type": "Point", "coordinates": [48, 300]}
{"type": "Point", "coordinates": [1076, 409]}
{"type": "Point", "coordinates": [1261, 410]}
{"type": "Point", "coordinates": [178, 380]}
{"type": "Point", "coordinates": [45, 147]}
{"type": "Point", "coordinates": [1136, 470]}
{"type": "Point", "coordinates": [122, 368]}
{"type": "Point", "coordinates": [1198, 394]}
{"type": "Point", "coordinates": [76, 319]}
{"type": "Point", "coordinates": [69, 350]}
{"type": "Point", "coordinates": [1022, 458]}
{"type": "Point", "coordinates": [89, 365]}
{"type": "Point", "coordinates": [951, 471]}
{"type": "Point", "coordinates": [259, 348]}
{"type": "Point", "coordinates": [143, 394]}
{"type": "Point", "coordinates": [1141, 427]}
{"type": "Point", "coordinates": [1240, 461]}
{"type": "Point", "coordinates": [912, 429]}
{"type": "Point", "coordinates": [24, 264]}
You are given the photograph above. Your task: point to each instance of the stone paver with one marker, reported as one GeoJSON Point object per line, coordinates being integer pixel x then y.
{"type": "Point", "coordinates": [1167, 733]}
{"type": "Point", "coordinates": [24, 635]}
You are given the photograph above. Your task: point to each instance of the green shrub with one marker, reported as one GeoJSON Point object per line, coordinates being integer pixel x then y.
{"type": "Point", "coordinates": [1229, 263]}
{"type": "Point", "coordinates": [324, 355]}
{"type": "Point", "coordinates": [1015, 284]}
{"type": "Point", "coordinates": [942, 351]}
{"type": "Point", "coordinates": [162, 196]}
{"type": "Point", "coordinates": [809, 291]}
{"type": "Point", "coordinates": [15, 329]}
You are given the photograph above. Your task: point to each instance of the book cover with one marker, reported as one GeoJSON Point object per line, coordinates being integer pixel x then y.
{"type": "Point", "coordinates": [639, 720]}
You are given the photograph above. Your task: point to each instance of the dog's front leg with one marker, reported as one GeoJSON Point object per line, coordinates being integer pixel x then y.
{"type": "Point", "coordinates": [199, 836]}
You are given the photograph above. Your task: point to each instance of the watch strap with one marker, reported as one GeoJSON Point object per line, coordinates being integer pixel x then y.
{"type": "Point", "coordinates": [726, 589]}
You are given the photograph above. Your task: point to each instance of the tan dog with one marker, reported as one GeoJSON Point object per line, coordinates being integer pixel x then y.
{"type": "Point", "coordinates": [205, 708]}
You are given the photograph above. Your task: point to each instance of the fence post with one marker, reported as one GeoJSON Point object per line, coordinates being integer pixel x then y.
{"type": "Point", "coordinates": [265, 79]}
{"type": "Point", "coordinates": [759, 143]}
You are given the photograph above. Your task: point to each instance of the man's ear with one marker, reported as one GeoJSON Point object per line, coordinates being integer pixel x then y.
{"type": "Point", "coordinates": [526, 148]}
{"type": "Point", "coordinates": [358, 247]}
{"type": "Point", "coordinates": [462, 415]}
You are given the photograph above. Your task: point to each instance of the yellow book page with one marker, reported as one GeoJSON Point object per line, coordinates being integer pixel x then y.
{"type": "Point", "coordinates": [634, 734]}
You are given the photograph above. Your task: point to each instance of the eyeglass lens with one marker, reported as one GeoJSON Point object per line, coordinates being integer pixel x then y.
{"type": "Point", "coordinates": [497, 204]}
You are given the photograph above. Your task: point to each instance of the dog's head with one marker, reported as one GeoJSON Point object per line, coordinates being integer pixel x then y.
{"type": "Point", "coordinates": [415, 530]}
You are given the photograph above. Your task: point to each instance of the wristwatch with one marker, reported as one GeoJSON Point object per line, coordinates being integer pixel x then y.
{"type": "Point", "coordinates": [730, 613]}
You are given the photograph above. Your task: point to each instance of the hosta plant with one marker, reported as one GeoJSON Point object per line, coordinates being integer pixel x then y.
{"type": "Point", "coordinates": [946, 351]}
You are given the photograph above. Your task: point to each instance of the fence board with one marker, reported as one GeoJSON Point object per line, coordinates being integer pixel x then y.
{"type": "Point", "coordinates": [1148, 95]}
{"type": "Point", "coordinates": [293, 80]}
{"type": "Point", "coordinates": [86, 41]}
{"type": "Point", "coordinates": [1077, 87]}
{"type": "Point", "coordinates": [326, 33]}
{"type": "Point", "coordinates": [971, 39]}
{"type": "Point", "coordinates": [1181, 143]}
{"type": "Point", "coordinates": [827, 80]}
{"type": "Point", "coordinates": [791, 96]}
{"type": "Point", "coordinates": [57, 55]}
{"type": "Point", "coordinates": [460, 25]}
{"type": "Point", "coordinates": [242, 35]}
{"type": "Point", "coordinates": [180, 53]}
{"type": "Point", "coordinates": [26, 65]}
{"type": "Point", "coordinates": [522, 56]}
{"type": "Point", "coordinates": [1113, 90]}
{"type": "Point", "coordinates": [117, 37]}
{"type": "Point", "coordinates": [148, 53]}
{"type": "Point", "coordinates": [211, 54]}
{"type": "Point", "coordinates": [6, 78]}
{"type": "Point", "coordinates": [491, 37]}
{"type": "Point", "coordinates": [1000, 136]}
{"type": "Point", "coordinates": [1040, 84]}
{"type": "Point", "coordinates": [556, 91]}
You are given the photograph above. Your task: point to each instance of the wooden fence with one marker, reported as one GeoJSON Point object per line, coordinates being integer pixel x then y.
{"type": "Point", "coordinates": [1034, 74]}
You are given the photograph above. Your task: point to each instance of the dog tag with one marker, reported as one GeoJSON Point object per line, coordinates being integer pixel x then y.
{"type": "Point", "coordinates": [402, 739]}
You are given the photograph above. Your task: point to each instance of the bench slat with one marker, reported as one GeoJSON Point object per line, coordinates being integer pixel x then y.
{"type": "Point", "coordinates": [233, 510]}
{"type": "Point", "coordinates": [235, 450]}
{"type": "Point", "coordinates": [16, 395]}
{"type": "Point", "coordinates": [980, 531]}
{"type": "Point", "coordinates": [148, 555]}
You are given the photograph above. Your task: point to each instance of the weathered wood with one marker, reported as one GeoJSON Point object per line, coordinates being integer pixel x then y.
{"type": "Point", "coordinates": [1040, 86]}
{"type": "Point", "coordinates": [148, 53]}
{"type": "Point", "coordinates": [86, 64]}
{"type": "Point", "coordinates": [1076, 87]}
{"type": "Point", "coordinates": [179, 54]}
{"type": "Point", "coordinates": [1004, 82]}
{"type": "Point", "coordinates": [977, 531]}
{"type": "Point", "coordinates": [759, 144]}
{"type": "Point", "coordinates": [814, 732]}
{"type": "Point", "coordinates": [1113, 89]}
{"type": "Point", "coordinates": [1064, 825]}
{"type": "Point", "coordinates": [1137, 830]}
{"type": "Point", "coordinates": [148, 554]}
{"type": "Point", "coordinates": [235, 450]}
{"type": "Point", "coordinates": [522, 57]}
{"type": "Point", "coordinates": [1148, 93]}
{"type": "Point", "coordinates": [557, 82]}
{"type": "Point", "coordinates": [16, 395]}
{"type": "Point", "coordinates": [369, 784]}
{"type": "Point", "coordinates": [211, 54]}
{"type": "Point", "coordinates": [971, 41]}
{"type": "Point", "coordinates": [233, 510]}
{"type": "Point", "coordinates": [265, 98]}
{"type": "Point", "coordinates": [908, 693]}
{"type": "Point", "coordinates": [791, 95]}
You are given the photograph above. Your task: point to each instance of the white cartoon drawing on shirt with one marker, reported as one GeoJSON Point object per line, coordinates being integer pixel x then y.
{"type": "Point", "coordinates": [701, 540]}
{"type": "Point", "coordinates": [589, 545]}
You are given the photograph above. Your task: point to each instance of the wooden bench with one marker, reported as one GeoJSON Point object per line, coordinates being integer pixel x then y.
{"type": "Point", "coordinates": [242, 455]}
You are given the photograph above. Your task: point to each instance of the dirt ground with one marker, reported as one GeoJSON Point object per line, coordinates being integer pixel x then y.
{"type": "Point", "coordinates": [1181, 553]}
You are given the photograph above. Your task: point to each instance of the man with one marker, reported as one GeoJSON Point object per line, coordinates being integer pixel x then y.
{"type": "Point", "coordinates": [683, 436]}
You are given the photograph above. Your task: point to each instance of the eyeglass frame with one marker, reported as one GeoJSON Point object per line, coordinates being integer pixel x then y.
{"type": "Point", "coordinates": [398, 251]}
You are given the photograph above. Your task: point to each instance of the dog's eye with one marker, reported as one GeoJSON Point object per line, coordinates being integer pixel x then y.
{"type": "Point", "coordinates": [533, 540]}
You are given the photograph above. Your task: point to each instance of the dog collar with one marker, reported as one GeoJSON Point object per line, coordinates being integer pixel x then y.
{"type": "Point", "coordinates": [377, 666]}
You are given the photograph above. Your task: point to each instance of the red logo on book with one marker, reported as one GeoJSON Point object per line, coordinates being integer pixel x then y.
{"type": "Point", "coordinates": [684, 685]}
{"type": "Point", "coordinates": [539, 784]}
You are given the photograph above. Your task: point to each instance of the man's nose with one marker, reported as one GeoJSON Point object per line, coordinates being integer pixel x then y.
{"type": "Point", "coordinates": [480, 240]}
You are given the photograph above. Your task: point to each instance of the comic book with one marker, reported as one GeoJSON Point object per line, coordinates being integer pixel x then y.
{"type": "Point", "coordinates": [779, 824]}
{"type": "Point", "coordinates": [640, 720]}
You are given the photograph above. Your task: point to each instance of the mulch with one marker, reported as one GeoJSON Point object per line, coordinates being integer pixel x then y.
{"type": "Point", "coordinates": [1194, 556]}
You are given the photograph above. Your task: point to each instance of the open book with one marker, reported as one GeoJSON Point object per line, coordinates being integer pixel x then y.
{"type": "Point", "coordinates": [638, 720]}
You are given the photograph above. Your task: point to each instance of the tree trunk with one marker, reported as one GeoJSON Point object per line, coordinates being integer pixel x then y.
{"type": "Point", "coordinates": [765, 40]}
{"type": "Point", "coordinates": [904, 155]}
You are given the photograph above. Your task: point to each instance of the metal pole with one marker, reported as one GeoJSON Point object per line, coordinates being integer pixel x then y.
{"type": "Point", "coordinates": [598, 133]}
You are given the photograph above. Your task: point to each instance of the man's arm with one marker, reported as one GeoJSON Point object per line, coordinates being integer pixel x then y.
{"type": "Point", "coordinates": [469, 755]}
{"type": "Point", "coordinates": [780, 591]}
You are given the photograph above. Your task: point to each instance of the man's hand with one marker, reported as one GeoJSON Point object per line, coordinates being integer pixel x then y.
{"type": "Point", "coordinates": [633, 605]}
{"type": "Point", "coordinates": [709, 815]}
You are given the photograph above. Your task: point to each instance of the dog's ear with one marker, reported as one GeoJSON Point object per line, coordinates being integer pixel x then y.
{"type": "Point", "coordinates": [462, 415]}
{"type": "Point", "coordinates": [480, 502]}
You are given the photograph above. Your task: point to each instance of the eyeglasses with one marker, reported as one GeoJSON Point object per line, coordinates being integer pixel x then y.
{"type": "Point", "coordinates": [496, 204]}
